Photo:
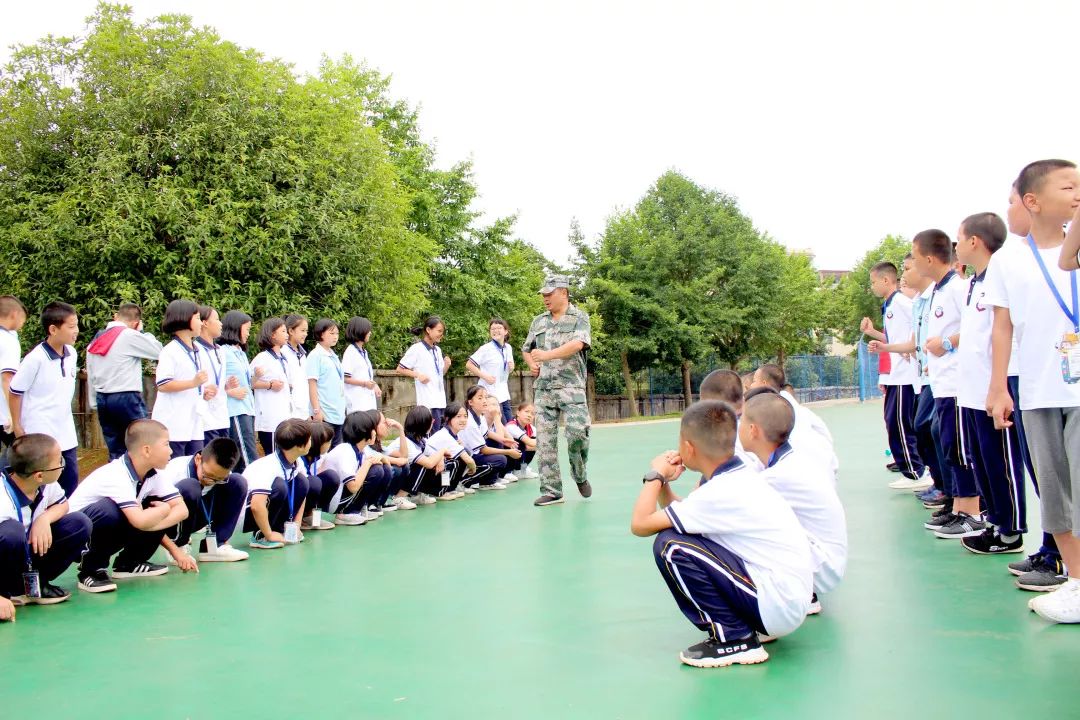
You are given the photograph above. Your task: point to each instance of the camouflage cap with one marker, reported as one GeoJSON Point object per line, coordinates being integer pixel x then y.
{"type": "Point", "coordinates": [554, 282]}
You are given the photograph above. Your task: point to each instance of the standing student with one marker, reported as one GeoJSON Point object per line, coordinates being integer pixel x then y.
{"type": "Point", "coordinates": [130, 507]}
{"type": "Point", "coordinates": [39, 539]}
{"type": "Point", "coordinates": [216, 417]}
{"type": "Point", "coordinates": [492, 363]}
{"type": "Point", "coordinates": [1036, 300]}
{"type": "Point", "coordinates": [899, 384]}
{"type": "Point", "coordinates": [804, 483]}
{"type": "Point", "coordinates": [296, 358]}
{"type": "Point", "coordinates": [475, 436]}
{"type": "Point", "coordinates": [361, 390]}
{"type": "Point", "coordinates": [323, 484]}
{"type": "Point", "coordinates": [214, 496]}
{"type": "Point", "coordinates": [425, 363]}
{"type": "Point", "coordinates": [12, 319]}
{"type": "Point", "coordinates": [182, 380]}
{"type": "Point", "coordinates": [363, 480]}
{"type": "Point", "coordinates": [325, 378]}
{"type": "Point", "coordinates": [42, 388]}
{"type": "Point", "coordinates": [277, 489]}
{"type": "Point", "coordinates": [996, 458]}
{"type": "Point", "coordinates": [521, 430]}
{"type": "Point", "coordinates": [114, 374]}
{"type": "Point", "coordinates": [732, 552]}
{"type": "Point", "coordinates": [425, 474]}
{"type": "Point", "coordinates": [271, 381]}
{"type": "Point", "coordinates": [235, 330]}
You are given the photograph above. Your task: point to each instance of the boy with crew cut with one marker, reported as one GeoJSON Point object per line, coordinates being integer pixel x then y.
{"type": "Point", "coordinates": [1036, 300]}
{"type": "Point", "coordinates": [42, 389]}
{"type": "Point", "coordinates": [810, 432]}
{"type": "Point", "coordinates": [725, 386]}
{"type": "Point", "coordinates": [732, 552]}
{"type": "Point", "coordinates": [12, 319]}
{"type": "Point", "coordinates": [996, 458]}
{"type": "Point", "coordinates": [900, 384]}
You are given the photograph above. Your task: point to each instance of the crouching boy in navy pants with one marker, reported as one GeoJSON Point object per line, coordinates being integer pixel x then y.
{"type": "Point", "coordinates": [732, 553]}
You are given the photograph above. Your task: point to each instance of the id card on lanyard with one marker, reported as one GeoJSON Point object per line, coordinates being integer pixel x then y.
{"type": "Point", "coordinates": [1069, 347]}
{"type": "Point", "coordinates": [31, 578]}
{"type": "Point", "coordinates": [501, 349]}
{"type": "Point", "coordinates": [292, 529]}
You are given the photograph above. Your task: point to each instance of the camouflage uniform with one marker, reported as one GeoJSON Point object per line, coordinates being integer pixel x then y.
{"type": "Point", "coordinates": [560, 389]}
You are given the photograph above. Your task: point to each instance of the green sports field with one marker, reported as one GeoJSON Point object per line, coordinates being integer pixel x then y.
{"type": "Point", "coordinates": [489, 607]}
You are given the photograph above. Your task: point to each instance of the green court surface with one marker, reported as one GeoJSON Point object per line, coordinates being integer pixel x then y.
{"type": "Point", "coordinates": [489, 607]}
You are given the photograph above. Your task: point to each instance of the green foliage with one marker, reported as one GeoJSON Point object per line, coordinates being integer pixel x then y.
{"type": "Point", "coordinates": [851, 300]}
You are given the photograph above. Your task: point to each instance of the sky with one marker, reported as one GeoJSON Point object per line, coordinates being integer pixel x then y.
{"type": "Point", "coordinates": [833, 123]}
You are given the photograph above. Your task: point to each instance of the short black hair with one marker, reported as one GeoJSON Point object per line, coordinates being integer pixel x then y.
{"type": "Point", "coordinates": [321, 433]}
{"type": "Point", "coordinates": [472, 392]}
{"type": "Point", "coordinates": [266, 331]}
{"type": "Point", "coordinates": [725, 385]}
{"type": "Point", "coordinates": [359, 427]}
{"type": "Point", "coordinates": [886, 269]}
{"type": "Point", "coordinates": [451, 412]}
{"type": "Point", "coordinates": [143, 432]}
{"type": "Point", "coordinates": [418, 423]}
{"type": "Point", "coordinates": [205, 311]}
{"type": "Point", "coordinates": [10, 304]}
{"type": "Point", "coordinates": [230, 328]}
{"type": "Point", "coordinates": [499, 321]}
{"type": "Point", "coordinates": [1032, 177]}
{"type": "Point", "coordinates": [291, 433]}
{"type": "Point", "coordinates": [432, 322]}
{"type": "Point", "coordinates": [357, 329]}
{"type": "Point", "coordinates": [760, 390]}
{"type": "Point", "coordinates": [773, 375]}
{"type": "Point", "coordinates": [773, 414]}
{"type": "Point", "coordinates": [988, 227]}
{"type": "Point", "coordinates": [293, 321]}
{"type": "Point", "coordinates": [321, 326]}
{"type": "Point", "coordinates": [30, 453]}
{"type": "Point", "coordinates": [711, 426]}
{"type": "Point", "coordinates": [55, 314]}
{"type": "Point", "coordinates": [178, 316]}
{"type": "Point", "coordinates": [376, 417]}
{"type": "Point", "coordinates": [130, 312]}
{"type": "Point", "coordinates": [936, 244]}
{"type": "Point", "coordinates": [223, 451]}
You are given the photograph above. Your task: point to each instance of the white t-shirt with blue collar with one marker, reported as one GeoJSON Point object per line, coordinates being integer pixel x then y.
{"type": "Point", "coordinates": [27, 510]}
{"type": "Point", "coordinates": [118, 481]}
{"type": "Point", "coordinates": [494, 359]}
{"type": "Point", "coordinates": [46, 382]}
{"type": "Point", "coordinates": [10, 355]}
{"type": "Point", "coordinates": [427, 360]}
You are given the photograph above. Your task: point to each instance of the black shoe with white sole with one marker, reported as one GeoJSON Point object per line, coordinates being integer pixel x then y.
{"type": "Point", "coordinates": [50, 595]}
{"type": "Point", "coordinates": [548, 499]}
{"type": "Point", "coordinates": [990, 542]}
{"type": "Point", "coordinates": [144, 569]}
{"type": "Point", "coordinates": [713, 653]}
{"type": "Point", "coordinates": [96, 582]}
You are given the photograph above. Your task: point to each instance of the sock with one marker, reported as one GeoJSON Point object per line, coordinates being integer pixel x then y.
{"type": "Point", "coordinates": [1009, 538]}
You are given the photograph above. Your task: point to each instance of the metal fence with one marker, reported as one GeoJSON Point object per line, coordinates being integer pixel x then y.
{"type": "Point", "coordinates": [868, 373]}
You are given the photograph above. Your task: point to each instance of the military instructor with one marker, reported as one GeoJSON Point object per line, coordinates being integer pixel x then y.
{"type": "Point", "coordinates": [555, 351]}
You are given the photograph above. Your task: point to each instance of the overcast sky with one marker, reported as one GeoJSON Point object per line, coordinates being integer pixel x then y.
{"type": "Point", "coordinates": [834, 123]}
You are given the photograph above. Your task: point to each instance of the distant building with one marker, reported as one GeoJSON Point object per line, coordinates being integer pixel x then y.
{"type": "Point", "coordinates": [832, 276]}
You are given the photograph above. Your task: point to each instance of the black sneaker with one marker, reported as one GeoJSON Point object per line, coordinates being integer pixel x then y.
{"type": "Point", "coordinates": [96, 582]}
{"type": "Point", "coordinates": [1047, 574]}
{"type": "Point", "coordinates": [713, 653]}
{"type": "Point", "coordinates": [939, 520]}
{"type": "Point", "coordinates": [50, 595]}
{"type": "Point", "coordinates": [990, 542]}
{"type": "Point", "coordinates": [1026, 565]}
{"type": "Point", "coordinates": [892, 467]}
{"type": "Point", "coordinates": [548, 499]}
{"type": "Point", "coordinates": [585, 489]}
{"type": "Point", "coordinates": [145, 569]}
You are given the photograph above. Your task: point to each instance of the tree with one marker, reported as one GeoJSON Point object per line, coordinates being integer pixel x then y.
{"type": "Point", "coordinates": [851, 300]}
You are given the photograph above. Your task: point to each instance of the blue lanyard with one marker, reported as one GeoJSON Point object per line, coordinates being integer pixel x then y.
{"type": "Point", "coordinates": [284, 367]}
{"type": "Point", "coordinates": [18, 511]}
{"type": "Point", "coordinates": [502, 354]}
{"type": "Point", "coordinates": [193, 356]}
{"type": "Point", "coordinates": [241, 359]}
{"type": "Point", "coordinates": [1074, 315]}
{"type": "Point", "coordinates": [363, 354]}
{"type": "Point", "coordinates": [335, 362]}
{"type": "Point", "coordinates": [435, 360]}
{"type": "Point", "coordinates": [289, 480]}
{"type": "Point", "coordinates": [312, 466]}
{"type": "Point", "coordinates": [217, 369]}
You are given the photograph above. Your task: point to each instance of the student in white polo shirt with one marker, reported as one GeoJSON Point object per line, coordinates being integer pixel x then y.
{"type": "Point", "coordinates": [425, 479]}
{"type": "Point", "coordinates": [39, 539]}
{"type": "Point", "coordinates": [425, 363]}
{"type": "Point", "coordinates": [361, 390]}
{"type": "Point", "coordinates": [235, 330]}
{"type": "Point", "coordinates": [811, 433]}
{"type": "Point", "coordinates": [182, 380]}
{"type": "Point", "coordinates": [475, 438]}
{"type": "Point", "coordinates": [130, 507]}
{"type": "Point", "coordinates": [212, 357]}
{"type": "Point", "coordinates": [900, 384]}
{"type": "Point", "coordinates": [365, 480]}
{"type": "Point", "coordinates": [803, 482]}
{"type": "Point", "coordinates": [463, 468]}
{"type": "Point", "coordinates": [272, 381]}
{"type": "Point", "coordinates": [296, 356]}
{"type": "Point", "coordinates": [277, 489]}
{"type": "Point", "coordinates": [732, 552]}
{"type": "Point", "coordinates": [42, 388]}
{"type": "Point", "coordinates": [114, 372]}
{"type": "Point", "coordinates": [12, 319]}
{"type": "Point", "coordinates": [492, 363]}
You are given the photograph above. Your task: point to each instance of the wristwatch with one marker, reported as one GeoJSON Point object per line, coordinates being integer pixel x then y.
{"type": "Point", "coordinates": [947, 346]}
{"type": "Point", "coordinates": [653, 475]}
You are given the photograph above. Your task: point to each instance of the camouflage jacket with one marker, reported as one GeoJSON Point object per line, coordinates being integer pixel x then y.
{"type": "Point", "coordinates": [546, 333]}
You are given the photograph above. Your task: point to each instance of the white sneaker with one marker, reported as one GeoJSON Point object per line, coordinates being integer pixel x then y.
{"type": "Point", "coordinates": [530, 474]}
{"type": "Point", "coordinates": [389, 506]}
{"type": "Point", "coordinates": [1060, 606]}
{"type": "Point", "coordinates": [401, 503]}
{"type": "Point", "coordinates": [904, 483]}
{"type": "Point", "coordinates": [377, 512]}
{"type": "Point", "coordinates": [497, 485]}
{"type": "Point", "coordinates": [458, 494]}
{"type": "Point", "coordinates": [469, 490]}
{"type": "Point", "coordinates": [447, 496]}
{"type": "Point", "coordinates": [224, 553]}
{"type": "Point", "coordinates": [510, 478]}
{"type": "Point", "coordinates": [169, 559]}
{"type": "Point", "coordinates": [350, 519]}
{"type": "Point", "coordinates": [423, 499]}
{"type": "Point", "coordinates": [369, 516]}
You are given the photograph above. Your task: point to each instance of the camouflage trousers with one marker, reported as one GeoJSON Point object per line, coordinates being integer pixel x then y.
{"type": "Point", "coordinates": [549, 407]}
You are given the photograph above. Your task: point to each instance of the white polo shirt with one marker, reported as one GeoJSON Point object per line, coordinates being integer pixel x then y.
{"type": "Point", "coordinates": [746, 516]}
{"type": "Point", "coordinates": [261, 474]}
{"type": "Point", "coordinates": [1014, 281]}
{"type": "Point", "coordinates": [474, 436]}
{"type": "Point", "coordinates": [213, 359]}
{"type": "Point", "coordinates": [896, 318]}
{"type": "Point", "coordinates": [495, 360]}
{"type": "Point", "coordinates": [10, 355]}
{"type": "Point", "coordinates": [946, 306]}
{"type": "Point", "coordinates": [810, 434]}
{"type": "Point", "coordinates": [344, 459]}
{"type": "Point", "coordinates": [976, 326]}
{"type": "Point", "coordinates": [296, 361]}
{"type": "Point", "coordinates": [517, 432]}
{"type": "Point", "coordinates": [356, 364]}
{"type": "Point", "coordinates": [272, 406]}
{"type": "Point", "coordinates": [181, 412]}
{"type": "Point", "coordinates": [808, 488]}
{"type": "Point", "coordinates": [46, 382]}
{"type": "Point", "coordinates": [118, 482]}
{"type": "Point", "coordinates": [46, 497]}
{"type": "Point", "coordinates": [414, 451]}
{"type": "Point", "coordinates": [441, 441]}
{"type": "Point", "coordinates": [427, 360]}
